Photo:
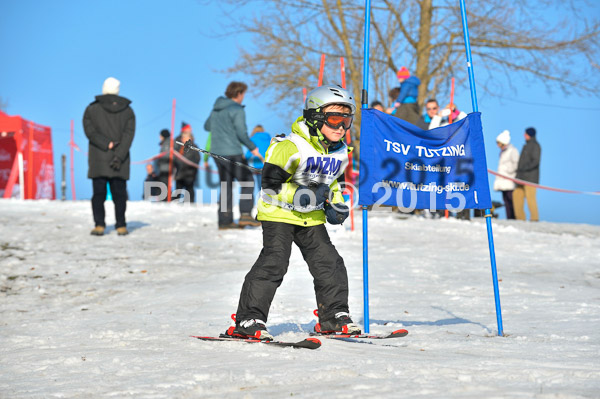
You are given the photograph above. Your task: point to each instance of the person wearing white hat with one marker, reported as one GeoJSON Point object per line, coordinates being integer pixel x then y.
{"type": "Point", "coordinates": [109, 124]}
{"type": "Point", "coordinates": [507, 166]}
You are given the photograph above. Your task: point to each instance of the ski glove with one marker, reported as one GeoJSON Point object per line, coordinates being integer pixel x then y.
{"type": "Point", "coordinates": [115, 163]}
{"type": "Point", "coordinates": [337, 213]}
{"type": "Point", "coordinates": [303, 196]}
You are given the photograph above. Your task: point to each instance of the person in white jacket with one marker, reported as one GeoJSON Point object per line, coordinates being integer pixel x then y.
{"type": "Point", "coordinates": [507, 166]}
{"type": "Point", "coordinates": [443, 117]}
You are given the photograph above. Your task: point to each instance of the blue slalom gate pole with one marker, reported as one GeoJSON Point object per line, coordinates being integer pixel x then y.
{"type": "Point", "coordinates": [488, 214]}
{"type": "Point", "coordinates": [365, 101]}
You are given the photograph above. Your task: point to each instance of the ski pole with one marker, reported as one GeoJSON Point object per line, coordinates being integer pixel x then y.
{"type": "Point", "coordinates": [189, 146]}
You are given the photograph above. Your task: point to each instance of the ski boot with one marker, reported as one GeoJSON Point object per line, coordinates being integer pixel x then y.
{"type": "Point", "coordinates": [340, 323]}
{"type": "Point", "coordinates": [252, 328]}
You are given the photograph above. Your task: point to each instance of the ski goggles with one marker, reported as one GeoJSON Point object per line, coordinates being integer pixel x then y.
{"type": "Point", "coordinates": [335, 120]}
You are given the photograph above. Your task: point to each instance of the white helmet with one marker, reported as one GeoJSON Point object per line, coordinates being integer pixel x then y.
{"type": "Point", "coordinates": [319, 98]}
{"type": "Point", "coordinates": [329, 94]}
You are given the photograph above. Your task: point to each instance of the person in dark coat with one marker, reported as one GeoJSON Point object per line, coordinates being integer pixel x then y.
{"type": "Point", "coordinates": [186, 173]}
{"type": "Point", "coordinates": [161, 164]}
{"type": "Point", "coordinates": [227, 127]}
{"type": "Point", "coordinates": [109, 124]}
{"type": "Point", "coordinates": [528, 170]}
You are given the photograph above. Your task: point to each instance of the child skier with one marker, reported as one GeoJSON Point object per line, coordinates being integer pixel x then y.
{"type": "Point", "coordinates": [300, 191]}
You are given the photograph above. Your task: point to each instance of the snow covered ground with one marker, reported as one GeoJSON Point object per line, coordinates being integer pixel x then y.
{"type": "Point", "coordinates": [110, 317]}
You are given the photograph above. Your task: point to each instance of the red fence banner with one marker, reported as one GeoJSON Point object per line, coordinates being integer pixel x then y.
{"type": "Point", "coordinates": [528, 183]}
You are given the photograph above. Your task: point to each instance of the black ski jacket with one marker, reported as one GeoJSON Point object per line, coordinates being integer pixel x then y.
{"type": "Point", "coordinates": [185, 171]}
{"type": "Point", "coordinates": [109, 118]}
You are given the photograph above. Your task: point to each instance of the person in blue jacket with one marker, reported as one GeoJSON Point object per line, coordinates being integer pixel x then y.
{"type": "Point", "coordinates": [262, 140]}
{"type": "Point", "coordinates": [406, 104]}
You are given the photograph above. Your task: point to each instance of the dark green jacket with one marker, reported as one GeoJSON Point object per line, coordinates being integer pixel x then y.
{"type": "Point", "coordinates": [529, 162]}
{"type": "Point", "coordinates": [227, 126]}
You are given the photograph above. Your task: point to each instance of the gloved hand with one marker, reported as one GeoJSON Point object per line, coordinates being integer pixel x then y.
{"type": "Point", "coordinates": [336, 213]}
{"type": "Point", "coordinates": [302, 196]}
{"type": "Point", "coordinates": [115, 163]}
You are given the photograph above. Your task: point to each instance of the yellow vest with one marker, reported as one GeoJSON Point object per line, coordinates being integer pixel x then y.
{"type": "Point", "coordinates": [306, 160]}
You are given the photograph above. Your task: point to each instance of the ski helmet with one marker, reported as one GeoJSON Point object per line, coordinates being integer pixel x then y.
{"type": "Point", "coordinates": [327, 95]}
{"type": "Point", "coordinates": [318, 99]}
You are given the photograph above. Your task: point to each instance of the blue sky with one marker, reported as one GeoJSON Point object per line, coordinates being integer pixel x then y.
{"type": "Point", "coordinates": [57, 54]}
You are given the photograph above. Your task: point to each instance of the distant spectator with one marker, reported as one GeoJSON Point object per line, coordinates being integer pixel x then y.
{"type": "Point", "coordinates": [151, 177]}
{"type": "Point", "coordinates": [406, 102]}
{"type": "Point", "coordinates": [392, 95]}
{"type": "Point", "coordinates": [227, 124]}
{"type": "Point", "coordinates": [507, 166]}
{"type": "Point", "coordinates": [161, 164]}
{"type": "Point", "coordinates": [109, 124]}
{"type": "Point", "coordinates": [186, 173]}
{"type": "Point", "coordinates": [377, 105]}
{"type": "Point", "coordinates": [443, 117]}
{"type": "Point", "coordinates": [262, 140]}
{"type": "Point", "coordinates": [528, 170]}
{"type": "Point", "coordinates": [431, 109]}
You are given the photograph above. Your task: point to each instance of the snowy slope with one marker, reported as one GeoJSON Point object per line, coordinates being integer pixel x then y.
{"type": "Point", "coordinates": [87, 317]}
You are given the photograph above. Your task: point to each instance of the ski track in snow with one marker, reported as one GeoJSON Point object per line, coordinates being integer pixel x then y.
{"type": "Point", "coordinates": [110, 317]}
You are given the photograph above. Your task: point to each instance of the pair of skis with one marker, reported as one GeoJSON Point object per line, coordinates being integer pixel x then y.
{"type": "Point", "coordinates": [308, 343]}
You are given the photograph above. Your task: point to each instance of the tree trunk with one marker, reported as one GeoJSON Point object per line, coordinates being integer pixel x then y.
{"type": "Point", "coordinates": [423, 50]}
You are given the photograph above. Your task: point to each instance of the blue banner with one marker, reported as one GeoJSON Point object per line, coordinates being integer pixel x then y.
{"type": "Point", "coordinates": [403, 165]}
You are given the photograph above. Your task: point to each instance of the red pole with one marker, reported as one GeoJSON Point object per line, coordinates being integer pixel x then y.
{"type": "Point", "coordinates": [171, 153]}
{"type": "Point", "coordinates": [343, 71]}
{"type": "Point", "coordinates": [451, 101]}
{"type": "Point", "coordinates": [349, 168]}
{"type": "Point", "coordinates": [304, 95]}
{"type": "Point", "coordinates": [72, 145]}
{"type": "Point", "coordinates": [29, 191]}
{"type": "Point", "coordinates": [321, 69]}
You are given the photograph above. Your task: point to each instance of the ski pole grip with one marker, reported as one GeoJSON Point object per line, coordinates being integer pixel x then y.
{"type": "Point", "coordinates": [187, 146]}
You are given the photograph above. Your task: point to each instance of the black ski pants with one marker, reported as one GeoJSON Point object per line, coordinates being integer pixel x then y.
{"type": "Point", "coordinates": [324, 263]}
{"type": "Point", "coordinates": [118, 190]}
{"type": "Point", "coordinates": [227, 173]}
{"type": "Point", "coordinates": [507, 197]}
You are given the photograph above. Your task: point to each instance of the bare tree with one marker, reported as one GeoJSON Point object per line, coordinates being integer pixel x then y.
{"type": "Point", "coordinates": [3, 104]}
{"type": "Point", "coordinates": [508, 38]}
